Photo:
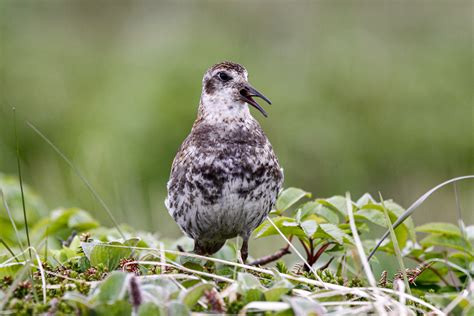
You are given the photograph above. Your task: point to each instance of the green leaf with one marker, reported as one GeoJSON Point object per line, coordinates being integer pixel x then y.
{"type": "Point", "coordinates": [453, 242]}
{"type": "Point", "coordinates": [314, 207]}
{"type": "Point", "coordinates": [440, 228]}
{"type": "Point", "coordinates": [253, 295]}
{"type": "Point", "coordinates": [107, 254]}
{"type": "Point", "coordinates": [63, 221]}
{"type": "Point", "coordinates": [113, 288]}
{"type": "Point", "coordinates": [81, 221]}
{"type": "Point", "coordinates": [274, 294]}
{"type": "Point", "coordinates": [247, 282]}
{"type": "Point", "coordinates": [149, 309]}
{"type": "Point", "coordinates": [397, 210]}
{"type": "Point", "coordinates": [373, 212]}
{"type": "Point", "coordinates": [118, 308]}
{"type": "Point", "coordinates": [289, 197]}
{"type": "Point", "coordinates": [191, 296]}
{"type": "Point", "coordinates": [336, 203]}
{"type": "Point", "coordinates": [9, 270]}
{"type": "Point", "coordinates": [372, 215]}
{"type": "Point", "coordinates": [176, 308]}
{"type": "Point", "coordinates": [304, 306]}
{"type": "Point", "coordinates": [309, 227]}
{"type": "Point", "coordinates": [334, 232]}
{"type": "Point", "coordinates": [366, 198]}
{"type": "Point", "coordinates": [287, 225]}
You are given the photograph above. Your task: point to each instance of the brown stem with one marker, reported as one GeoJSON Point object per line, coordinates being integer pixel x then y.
{"type": "Point", "coordinates": [270, 258]}
{"type": "Point", "coordinates": [321, 251]}
{"type": "Point", "coordinates": [324, 267]}
{"type": "Point", "coordinates": [308, 254]}
{"type": "Point", "coordinates": [311, 260]}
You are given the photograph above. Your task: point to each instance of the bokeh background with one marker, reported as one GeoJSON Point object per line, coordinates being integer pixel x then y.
{"type": "Point", "coordinates": [367, 96]}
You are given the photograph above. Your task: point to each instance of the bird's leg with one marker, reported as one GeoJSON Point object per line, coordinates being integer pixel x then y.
{"type": "Point", "coordinates": [244, 251]}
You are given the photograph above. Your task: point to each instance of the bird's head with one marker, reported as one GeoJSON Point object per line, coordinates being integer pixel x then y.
{"type": "Point", "coordinates": [226, 91]}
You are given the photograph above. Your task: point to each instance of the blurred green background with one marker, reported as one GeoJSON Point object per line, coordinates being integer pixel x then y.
{"type": "Point", "coordinates": [367, 96]}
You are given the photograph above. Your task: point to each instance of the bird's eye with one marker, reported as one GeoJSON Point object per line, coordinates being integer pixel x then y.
{"type": "Point", "coordinates": [224, 76]}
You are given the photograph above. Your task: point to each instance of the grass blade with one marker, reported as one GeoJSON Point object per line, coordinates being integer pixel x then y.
{"type": "Point", "coordinates": [396, 247]}
{"type": "Point", "coordinates": [9, 249]}
{"type": "Point", "coordinates": [5, 205]}
{"type": "Point", "coordinates": [80, 175]}
{"type": "Point", "coordinates": [358, 242]}
{"type": "Point", "coordinates": [25, 218]}
{"type": "Point", "coordinates": [413, 207]}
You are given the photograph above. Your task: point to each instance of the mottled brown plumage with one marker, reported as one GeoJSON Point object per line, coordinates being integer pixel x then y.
{"type": "Point", "coordinates": [225, 177]}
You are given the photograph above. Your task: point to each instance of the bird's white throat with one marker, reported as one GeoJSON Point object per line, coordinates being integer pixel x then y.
{"type": "Point", "coordinates": [221, 107]}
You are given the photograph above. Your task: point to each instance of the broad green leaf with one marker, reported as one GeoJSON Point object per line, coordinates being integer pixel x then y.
{"type": "Point", "coordinates": [316, 208]}
{"type": "Point", "coordinates": [440, 228]}
{"type": "Point", "coordinates": [290, 224]}
{"type": "Point", "coordinates": [372, 215]}
{"type": "Point", "coordinates": [247, 281]}
{"type": "Point", "coordinates": [191, 296]}
{"type": "Point", "coordinates": [304, 306]}
{"type": "Point", "coordinates": [10, 270]}
{"type": "Point", "coordinates": [298, 216]}
{"type": "Point", "coordinates": [285, 224]}
{"type": "Point", "coordinates": [35, 206]}
{"type": "Point", "coordinates": [162, 290]}
{"type": "Point", "coordinates": [366, 198]}
{"type": "Point", "coordinates": [397, 210]}
{"type": "Point", "coordinates": [176, 308]}
{"type": "Point", "coordinates": [428, 276]}
{"type": "Point", "coordinates": [81, 221]}
{"type": "Point", "coordinates": [453, 242]}
{"type": "Point", "coordinates": [62, 222]}
{"type": "Point", "coordinates": [250, 287]}
{"type": "Point", "coordinates": [149, 309]}
{"type": "Point", "coordinates": [107, 254]}
{"type": "Point", "coordinates": [253, 295]}
{"type": "Point", "coordinates": [275, 293]}
{"type": "Point", "coordinates": [113, 288]}
{"type": "Point", "coordinates": [336, 203]}
{"type": "Point", "coordinates": [334, 232]}
{"type": "Point", "coordinates": [117, 308]}
{"type": "Point", "coordinates": [309, 227]}
{"type": "Point", "coordinates": [289, 197]}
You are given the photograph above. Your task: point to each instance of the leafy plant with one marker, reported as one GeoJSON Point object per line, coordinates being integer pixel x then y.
{"type": "Point", "coordinates": [86, 268]}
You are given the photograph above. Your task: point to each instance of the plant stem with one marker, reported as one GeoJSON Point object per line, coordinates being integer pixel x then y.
{"type": "Point", "coordinates": [270, 258]}
{"type": "Point", "coordinates": [321, 251]}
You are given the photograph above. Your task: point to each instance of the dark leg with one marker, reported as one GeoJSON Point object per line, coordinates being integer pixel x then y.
{"type": "Point", "coordinates": [244, 251]}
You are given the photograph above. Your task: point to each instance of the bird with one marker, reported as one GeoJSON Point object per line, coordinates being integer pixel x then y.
{"type": "Point", "coordinates": [225, 177]}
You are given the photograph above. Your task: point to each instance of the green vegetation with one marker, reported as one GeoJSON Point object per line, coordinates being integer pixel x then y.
{"type": "Point", "coordinates": [366, 97]}
{"type": "Point", "coordinates": [79, 266]}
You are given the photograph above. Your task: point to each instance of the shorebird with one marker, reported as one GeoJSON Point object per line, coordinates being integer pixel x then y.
{"type": "Point", "coordinates": [225, 177]}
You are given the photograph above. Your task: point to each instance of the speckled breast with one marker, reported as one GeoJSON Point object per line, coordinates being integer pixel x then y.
{"type": "Point", "coordinates": [223, 184]}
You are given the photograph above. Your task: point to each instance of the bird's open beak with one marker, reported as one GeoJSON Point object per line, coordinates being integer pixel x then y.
{"type": "Point", "coordinates": [248, 92]}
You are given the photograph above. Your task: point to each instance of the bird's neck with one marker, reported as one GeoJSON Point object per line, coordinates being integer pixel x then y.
{"type": "Point", "coordinates": [217, 109]}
